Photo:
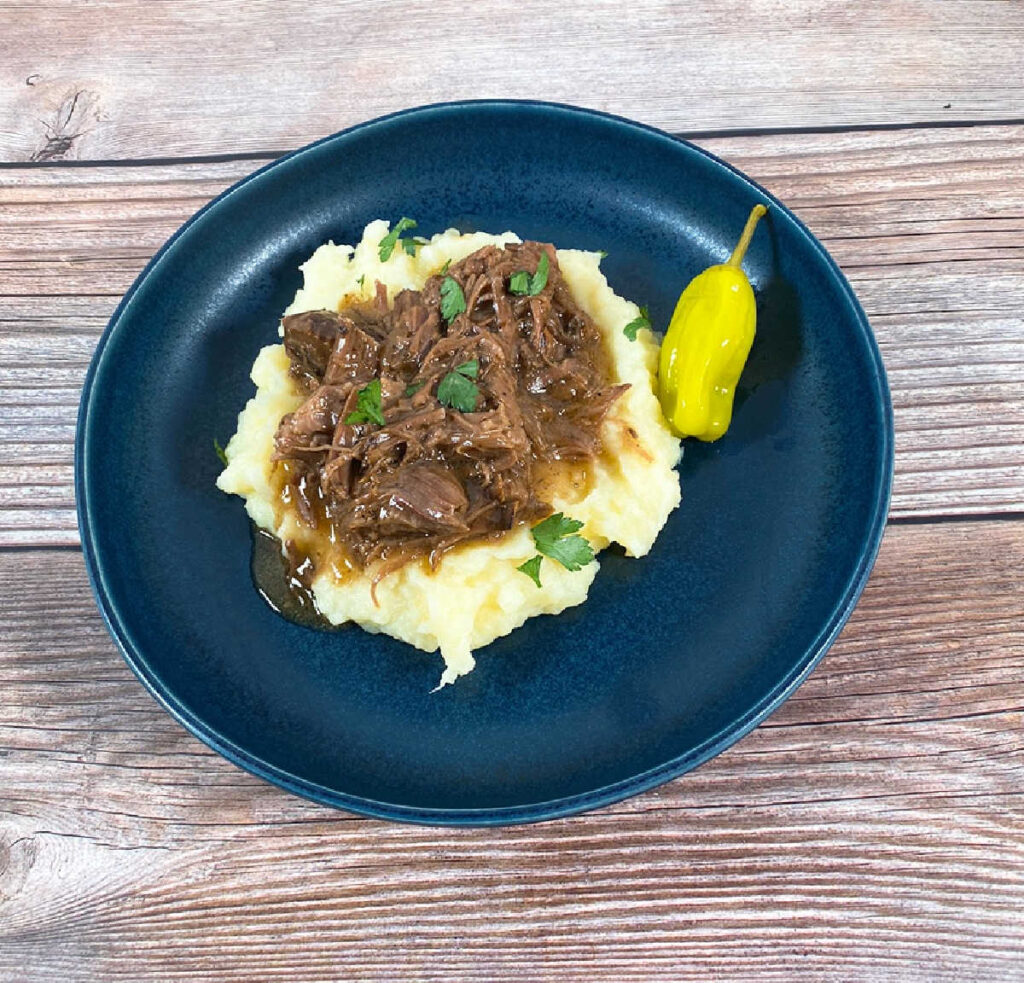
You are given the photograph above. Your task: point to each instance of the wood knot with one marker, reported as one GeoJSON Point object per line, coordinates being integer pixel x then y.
{"type": "Point", "coordinates": [70, 121]}
{"type": "Point", "coordinates": [16, 860]}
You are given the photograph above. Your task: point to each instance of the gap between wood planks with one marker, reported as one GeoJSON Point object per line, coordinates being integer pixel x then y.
{"type": "Point", "coordinates": [928, 229]}
{"type": "Point", "coordinates": [122, 79]}
{"type": "Point", "coordinates": [900, 520]}
{"type": "Point", "coordinates": [936, 640]}
{"type": "Point", "coordinates": [689, 135]}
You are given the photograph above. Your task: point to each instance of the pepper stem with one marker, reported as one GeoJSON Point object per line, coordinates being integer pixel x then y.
{"type": "Point", "coordinates": [748, 233]}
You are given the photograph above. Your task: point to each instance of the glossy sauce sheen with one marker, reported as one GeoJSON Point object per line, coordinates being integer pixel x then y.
{"type": "Point", "coordinates": [544, 385]}
{"type": "Point", "coordinates": [282, 576]}
{"type": "Point", "coordinates": [281, 582]}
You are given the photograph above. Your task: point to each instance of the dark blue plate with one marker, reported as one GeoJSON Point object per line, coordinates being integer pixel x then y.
{"type": "Point", "coordinates": [671, 659]}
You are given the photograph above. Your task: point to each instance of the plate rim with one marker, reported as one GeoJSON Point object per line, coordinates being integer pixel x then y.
{"type": "Point", "coordinates": [521, 813]}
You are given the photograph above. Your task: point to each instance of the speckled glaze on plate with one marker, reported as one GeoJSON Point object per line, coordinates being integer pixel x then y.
{"type": "Point", "coordinates": [672, 658]}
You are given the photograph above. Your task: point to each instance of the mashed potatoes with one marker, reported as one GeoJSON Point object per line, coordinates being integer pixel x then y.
{"type": "Point", "coordinates": [476, 594]}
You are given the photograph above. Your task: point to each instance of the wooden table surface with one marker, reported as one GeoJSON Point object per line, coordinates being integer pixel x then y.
{"type": "Point", "coordinates": [871, 829]}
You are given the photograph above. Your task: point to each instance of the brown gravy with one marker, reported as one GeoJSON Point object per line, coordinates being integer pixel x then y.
{"type": "Point", "coordinates": [281, 582]}
{"type": "Point", "coordinates": [431, 476]}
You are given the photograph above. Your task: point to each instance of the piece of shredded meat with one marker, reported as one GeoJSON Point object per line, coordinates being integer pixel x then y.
{"type": "Point", "coordinates": [431, 476]}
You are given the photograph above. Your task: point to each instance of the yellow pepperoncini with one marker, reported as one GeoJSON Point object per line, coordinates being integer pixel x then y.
{"type": "Point", "coordinates": [707, 344]}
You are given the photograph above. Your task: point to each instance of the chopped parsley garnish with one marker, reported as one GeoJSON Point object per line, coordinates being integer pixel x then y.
{"type": "Point", "coordinates": [220, 452]}
{"type": "Point", "coordinates": [361, 280]}
{"type": "Point", "coordinates": [413, 388]}
{"type": "Point", "coordinates": [388, 243]}
{"type": "Point", "coordinates": [643, 321]}
{"type": "Point", "coordinates": [556, 537]}
{"type": "Point", "coordinates": [447, 263]}
{"type": "Point", "coordinates": [602, 253]}
{"type": "Point", "coordinates": [532, 568]}
{"type": "Point", "coordinates": [453, 300]}
{"type": "Point", "coordinates": [367, 405]}
{"type": "Point", "coordinates": [457, 388]}
{"type": "Point", "coordinates": [525, 285]}
{"type": "Point", "coordinates": [410, 245]}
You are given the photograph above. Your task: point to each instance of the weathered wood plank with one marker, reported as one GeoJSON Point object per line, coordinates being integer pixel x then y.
{"type": "Point", "coordinates": [872, 829]}
{"type": "Point", "coordinates": [130, 79]}
{"type": "Point", "coordinates": [930, 232]}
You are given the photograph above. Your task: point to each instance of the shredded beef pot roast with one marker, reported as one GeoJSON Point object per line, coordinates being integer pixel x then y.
{"type": "Point", "coordinates": [432, 477]}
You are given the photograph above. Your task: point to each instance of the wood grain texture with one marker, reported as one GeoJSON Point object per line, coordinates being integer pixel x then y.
{"type": "Point", "coordinates": [930, 231]}
{"type": "Point", "coordinates": [131, 79]}
{"type": "Point", "coordinates": [872, 829]}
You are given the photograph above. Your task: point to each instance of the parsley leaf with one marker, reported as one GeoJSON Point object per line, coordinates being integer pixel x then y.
{"type": "Point", "coordinates": [643, 321]}
{"type": "Point", "coordinates": [555, 537]}
{"type": "Point", "coordinates": [388, 243]}
{"type": "Point", "coordinates": [532, 568]}
{"type": "Point", "coordinates": [457, 389]}
{"type": "Point", "coordinates": [453, 300]}
{"type": "Point", "coordinates": [220, 452]}
{"type": "Point", "coordinates": [529, 286]}
{"type": "Point", "coordinates": [361, 280]}
{"type": "Point", "coordinates": [367, 405]}
{"type": "Point", "coordinates": [519, 283]}
{"type": "Point", "coordinates": [409, 245]}
{"type": "Point", "coordinates": [573, 552]}
{"type": "Point", "coordinates": [540, 278]}
{"type": "Point", "coordinates": [554, 527]}
{"type": "Point", "coordinates": [413, 388]}
{"type": "Point", "coordinates": [447, 263]}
